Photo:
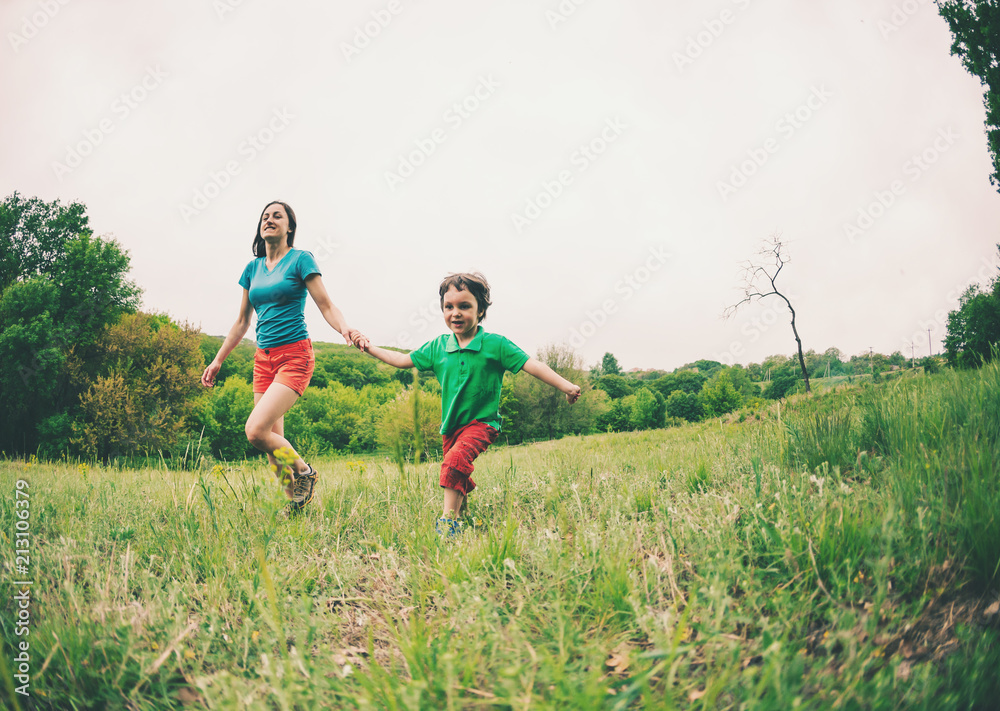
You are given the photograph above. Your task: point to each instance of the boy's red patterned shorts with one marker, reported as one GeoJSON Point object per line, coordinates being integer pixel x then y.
{"type": "Point", "coordinates": [461, 447]}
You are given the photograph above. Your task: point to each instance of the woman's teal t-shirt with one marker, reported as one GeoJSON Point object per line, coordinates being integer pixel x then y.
{"type": "Point", "coordinates": [278, 296]}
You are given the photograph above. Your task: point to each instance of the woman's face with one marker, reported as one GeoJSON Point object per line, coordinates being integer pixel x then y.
{"type": "Point", "coordinates": [274, 223]}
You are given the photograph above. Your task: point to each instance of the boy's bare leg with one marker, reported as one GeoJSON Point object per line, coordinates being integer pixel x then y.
{"type": "Point", "coordinates": [454, 503]}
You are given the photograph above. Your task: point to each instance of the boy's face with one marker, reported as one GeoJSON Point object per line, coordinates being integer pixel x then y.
{"type": "Point", "coordinates": [461, 313]}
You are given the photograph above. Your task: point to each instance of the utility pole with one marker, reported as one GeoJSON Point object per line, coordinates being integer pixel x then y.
{"type": "Point", "coordinates": [911, 355]}
{"type": "Point", "coordinates": [871, 368]}
{"type": "Point", "coordinates": [929, 349]}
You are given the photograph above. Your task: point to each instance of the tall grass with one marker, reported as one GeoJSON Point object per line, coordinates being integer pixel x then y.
{"type": "Point", "coordinates": [842, 556]}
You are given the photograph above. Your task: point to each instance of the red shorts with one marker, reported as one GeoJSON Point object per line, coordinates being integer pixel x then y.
{"type": "Point", "coordinates": [291, 364]}
{"type": "Point", "coordinates": [461, 447]}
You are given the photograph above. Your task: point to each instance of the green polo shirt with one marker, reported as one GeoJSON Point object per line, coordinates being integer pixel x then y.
{"type": "Point", "coordinates": [470, 377]}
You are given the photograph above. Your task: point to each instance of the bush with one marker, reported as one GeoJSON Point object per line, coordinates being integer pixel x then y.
{"type": "Point", "coordinates": [719, 396]}
{"type": "Point", "coordinates": [646, 409]}
{"type": "Point", "coordinates": [686, 406]}
{"type": "Point", "coordinates": [225, 422]}
{"type": "Point", "coordinates": [337, 418]}
{"type": "Point", "coordinates": [533, 410]}
{"type": "Point", "coordinates": [782, 382]}
{"type": "Point", "coordinates": [138, 400]}
{"type": "Point", "coordinates": [617, 417]}
{"type": "Point", "coordinates": [396, 420]}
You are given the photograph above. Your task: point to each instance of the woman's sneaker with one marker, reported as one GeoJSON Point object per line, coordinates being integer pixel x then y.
{"type": "Point", "coordinates": [303, 488]}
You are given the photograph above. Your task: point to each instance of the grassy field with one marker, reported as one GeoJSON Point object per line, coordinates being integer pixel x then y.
{"type": "Point", "coordinates": [840, 551]}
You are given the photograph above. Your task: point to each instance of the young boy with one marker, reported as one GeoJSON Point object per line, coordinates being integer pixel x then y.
{"type": "Point", "coordinates": [470, 364]}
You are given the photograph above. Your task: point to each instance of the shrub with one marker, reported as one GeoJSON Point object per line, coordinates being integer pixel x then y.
{"type": "Point", "coordinates": [396, 419]}
{"type": "Point", "coordinates": [137, 400]}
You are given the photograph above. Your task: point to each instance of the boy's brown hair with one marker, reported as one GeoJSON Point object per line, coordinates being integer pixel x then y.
{"type": "Point", "coordinates": [475, 283]}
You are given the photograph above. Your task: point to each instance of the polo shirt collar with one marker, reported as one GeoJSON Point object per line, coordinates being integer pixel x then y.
{"type": "Point", "coordinates": [476, 344]}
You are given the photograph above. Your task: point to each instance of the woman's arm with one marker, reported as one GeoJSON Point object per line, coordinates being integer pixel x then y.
{"type": "Point", "coordinates": [235, 335]}
{"type": "Point", "coordinates": [548, 376]}
{"type": "Point", "coordinates": [333, 315]}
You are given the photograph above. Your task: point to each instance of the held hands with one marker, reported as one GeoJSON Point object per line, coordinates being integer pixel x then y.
{"type": "Point", "coordinates": [355, 338]}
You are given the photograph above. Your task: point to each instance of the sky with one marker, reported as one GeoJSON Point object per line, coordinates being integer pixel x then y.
{"type": "Point", "coordinates": [609, 166]}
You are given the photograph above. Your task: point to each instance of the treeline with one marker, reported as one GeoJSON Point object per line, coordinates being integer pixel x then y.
{"type": "Point", "coordinates": [87, 374]}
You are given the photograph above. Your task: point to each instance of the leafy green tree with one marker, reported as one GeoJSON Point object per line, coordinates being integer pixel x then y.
{"type": "Point", "coordinates": [542, 411]}
{"type": "Point", "coordinates": [94, 290]}
{"type": "Point", "coordinates": [774, 361]}
{"type": "Point", "coordinates": [32, 360]}
{"type": "Point", "coordinates": [719, 395]}
{"type": "Point", "coordinates": [34, 234]}
{"type": "Point", "coordinates": [609, 365]}
{"type": "Point", "coordinates": [614, 385]}
{"type": "Point", "coordinates": [688, 381]}
{"type": "Point", "coordinates": [833, 356]}
{"type": "Point", "coordinates": [974, 328]}
{"type": "Point", "coordinates": [704, 367]}
{"type": "Point", "coordinates": [617, 417]}
{"type": "Point", "coordinates": [61, 288]}
{"type": "Point", "coordinates": [687, 406]}
{"type": "Point", "coordinates": [975, 28]}
{"type": "Point", "coordinates": [742, 382]}
{"type": "Point", "coordinates": [782, 381]}
{"type": "Point", "coordinates": [930, 364]}
{"type": "Point", "coordinates": [646, 409]}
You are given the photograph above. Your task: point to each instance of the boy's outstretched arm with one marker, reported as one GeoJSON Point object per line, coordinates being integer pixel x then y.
{"type": "Point", "coordinates": [548, 376]}
{"type": "Point", "coordinates": [393, 358]}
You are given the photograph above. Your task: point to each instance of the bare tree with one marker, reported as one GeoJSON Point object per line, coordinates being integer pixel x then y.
{"type": "Point", "coordinates": [759, 277]}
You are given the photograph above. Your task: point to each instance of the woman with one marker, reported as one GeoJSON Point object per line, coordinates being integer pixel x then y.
{"type": "Point", "coordinates": [275, 285]}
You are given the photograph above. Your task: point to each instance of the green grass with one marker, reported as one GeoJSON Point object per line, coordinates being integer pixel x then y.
{"type": "Point", "coordinates": [841, 555]}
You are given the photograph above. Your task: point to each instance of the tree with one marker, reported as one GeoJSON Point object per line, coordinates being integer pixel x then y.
{"type": "Point", "coordinates": [609, 365]}
{"type": "Point", "coordinates": [782, 381]}
{"type": "Point", "coordinates": [771, 259]}
{"type": "Point", "coordinates": [685, 380]}
{"type": "Point", "coordinates": [646, 409]}
{"type": "Point", "coordinates": [974, 328]}
{"type": "Point", "coordinates": [617, 418]}
{"type": "Point", "coordinates": [33, 235]}
{"type": "Point", "coordinates": [61, 287]}
{"type": "Point", "coordinates": [975, 28]}
{"type": "Point", "coordinates": [614, 385]}
{"type": "Point", "coordinates": [94, 290]}
{"type": "Point", "coordinates": [534, 410]}
{"type": "Point", "coordinates": [719, 396]}
{"type": "Point", "coordinates": [685, 405]}
{"type": "Point", "coordinates": [32, 360]}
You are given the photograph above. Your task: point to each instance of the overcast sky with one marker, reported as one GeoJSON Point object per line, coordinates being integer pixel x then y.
{"type": "Point", "coordinates": [607, 165]}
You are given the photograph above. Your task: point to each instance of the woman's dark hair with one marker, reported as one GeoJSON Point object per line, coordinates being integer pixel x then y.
{"type": "Point", "coordinates": [259, 247]}
{"type": "Point", "coordinates": [476, 285]}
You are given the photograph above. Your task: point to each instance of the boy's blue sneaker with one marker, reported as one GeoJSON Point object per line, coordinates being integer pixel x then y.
{"type": "Point", "coordinates": [448, 527]}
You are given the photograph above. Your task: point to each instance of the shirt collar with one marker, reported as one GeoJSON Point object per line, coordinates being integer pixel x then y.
{"type": "Point", "coordinates": [476, 344]}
